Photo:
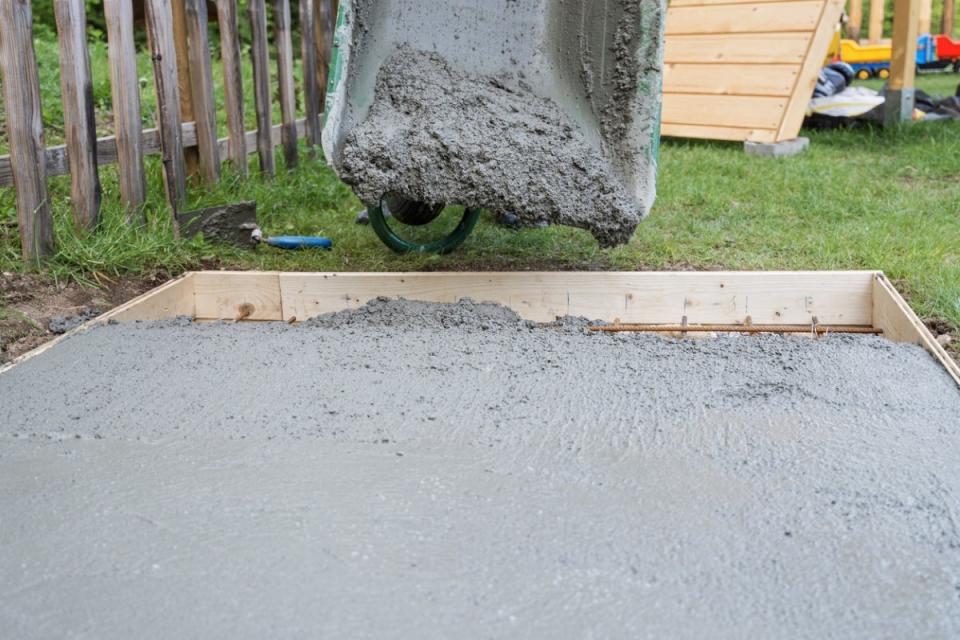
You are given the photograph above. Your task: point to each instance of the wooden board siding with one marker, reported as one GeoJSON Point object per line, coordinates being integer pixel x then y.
{"type": "Point", "coordinates": [743, 70]}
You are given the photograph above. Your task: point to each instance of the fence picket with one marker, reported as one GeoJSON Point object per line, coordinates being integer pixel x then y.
{"type": "Point", "coordinates": [79, 124]}
{"type": "Point", "coordinates": [261, 83]}
{"type": "Point", "coordinates": [308, 53]}
{"type": "Point", "coordinates": [201, 84]}
{"type": "Point", "coordinates": [21, 88]}
{"type": "Point", "coordinates": [125, 90]}
{"type": "Point", "coordinates": [232, 83]}
{"type": "Point", "coordinates": [288, 97]}
{"type": "Point", "coordinates": [323, 38]}
{"type": "Point", "coordinates": [160, 36]}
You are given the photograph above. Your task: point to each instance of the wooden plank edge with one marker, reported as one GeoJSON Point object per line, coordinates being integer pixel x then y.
{"type": "Point", "coordinates": [238, 296]}
{"type": "Point", "coordinates": [540, 295]}
{"type": "Point", "coordinates": [791, 120]}
{"type": "Point", "coordinates": [899, 323]}
{"type": "Point", "coordinates": [170, 300]}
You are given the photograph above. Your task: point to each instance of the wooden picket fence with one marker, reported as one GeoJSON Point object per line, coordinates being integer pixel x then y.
{"type": "Point", "coordinates": [186, 130]}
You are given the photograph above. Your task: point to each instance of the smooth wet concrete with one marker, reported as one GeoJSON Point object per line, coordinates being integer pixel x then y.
{"type": "Point", "coordinates": [413, 470]}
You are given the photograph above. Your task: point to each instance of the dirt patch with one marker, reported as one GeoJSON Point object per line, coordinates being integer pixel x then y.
{"type": "Point", "coordinates": [31, 303]}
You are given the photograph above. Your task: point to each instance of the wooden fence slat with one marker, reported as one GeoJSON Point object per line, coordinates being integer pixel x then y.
{"type": "Point", "coordinates": [21, 89]}
{"type": "Point", "coordinates": [125, 90]}
{"type": "Point", "coordinates": [201, 85]}
{"type": "Point", "coordinates": [232, 84]}
{"type": "Point", "coordinates": [261, 83]}
{"type": "Point", "coordinates": [324, 25]}
{"type": "Point", "coordinates": [80, 125]}
{"type": "Point", "coordinates": [308, 54]}
{"type": "Point", "coordinates": [288, 99]}
{"type": "Point", "coordinates": [160, 35]}
{"type": "Point", "coordinates": [178, 12]}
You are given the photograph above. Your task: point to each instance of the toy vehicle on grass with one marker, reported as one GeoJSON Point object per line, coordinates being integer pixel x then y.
{"type": "Point", "coordinates": [948, 49]}
{"type": "Point", "coordinates": [873, 60]}
{"type": "Point", "coordinates": [867, 60]}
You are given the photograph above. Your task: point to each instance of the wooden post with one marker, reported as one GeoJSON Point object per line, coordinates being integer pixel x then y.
{"type": "Point", "coordinates": [261, 84]}
{"type": "Point", "coordinates": [947, 21]}
{"type": "Point", "coordinates": [308, 53]}
{"type": "Point", "coordinates": [288, 96]}
{"type": "Point", "coordinates": [184, 88]}
{"type": "Point", "coordinates": [926, 17]}
{"type": "Point", "coordinates": [875, 31]}
{"type": "Point", "coordinates": [159, 18]}
{"type": "Point", "coordinates": [78, 119]}
{"type": "Point", "coordinates": [201, 84]}
{"type": "Point", "coordinates": [125, 89]}
{"type": "Point", "coordinates": [324, 26]}
{"type": "Point", "coordinates": [24, 120]}
{"type": "Point", "coordinates": [855, 19]}
{"type": "Point", "coordinates": [903, 64]}
{"type": "Point", "coordinates": [233, 84]}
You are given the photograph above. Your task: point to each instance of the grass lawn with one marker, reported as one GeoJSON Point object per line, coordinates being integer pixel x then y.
{"type": "Point", "coordinates": [858, 199]}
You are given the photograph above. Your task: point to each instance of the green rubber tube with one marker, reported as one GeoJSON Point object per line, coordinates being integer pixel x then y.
{"type": "Point", "coordinates": [444, 245]}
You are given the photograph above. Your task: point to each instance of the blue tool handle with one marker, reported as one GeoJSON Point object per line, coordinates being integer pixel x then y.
{"type": "Point", "coordinates": [299, 242]}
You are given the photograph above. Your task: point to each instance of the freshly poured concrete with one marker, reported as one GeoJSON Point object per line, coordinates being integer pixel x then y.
{"type": "Point", "coordinates": [548, 109]}
{"type": "Point", "coordinates": [412, 470]}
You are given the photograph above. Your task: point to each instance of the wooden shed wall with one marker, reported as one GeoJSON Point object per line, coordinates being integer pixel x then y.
{"type": "Point", "coordinates": [743, 70]}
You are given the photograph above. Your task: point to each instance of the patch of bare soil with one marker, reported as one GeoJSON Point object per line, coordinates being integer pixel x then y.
{"type": "Point", "coordinates": [30, 303]}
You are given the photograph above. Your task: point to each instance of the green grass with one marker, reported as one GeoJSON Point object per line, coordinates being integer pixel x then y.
{"type": "Point", "coordinates": [858, 199]}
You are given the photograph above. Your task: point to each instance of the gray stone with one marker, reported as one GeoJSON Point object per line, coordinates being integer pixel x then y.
{"type": "Point", "coordinates": [782, 149]}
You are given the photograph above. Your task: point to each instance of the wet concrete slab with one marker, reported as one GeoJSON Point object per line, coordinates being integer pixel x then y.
{"type": "Point", "coordinates": [420, 470]}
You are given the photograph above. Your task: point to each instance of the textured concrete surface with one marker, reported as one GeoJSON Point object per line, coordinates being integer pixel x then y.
{"type": "Point", "coordinates": [438, 136]}
{"type": "Point", "coordinates": [548, 109]}
{"type": "Point", "coordinates": [416, 470]}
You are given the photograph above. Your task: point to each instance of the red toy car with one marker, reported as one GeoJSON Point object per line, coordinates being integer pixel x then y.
{"type": "Point", "coordinates": [949, 49]}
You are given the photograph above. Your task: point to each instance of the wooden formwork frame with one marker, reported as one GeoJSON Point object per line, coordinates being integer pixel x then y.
{"type": "Point", "coordinates": [852, 298]}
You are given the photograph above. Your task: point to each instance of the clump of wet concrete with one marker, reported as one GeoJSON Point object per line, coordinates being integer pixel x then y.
{"type": "Point", "coordinates": [435, 134]}
{"type": "Point", "coordinates": [63, 323]}
{"type": "Point", "coordinates": [412, 466]}
{"type": "Point", "coordinates": [394, 312]}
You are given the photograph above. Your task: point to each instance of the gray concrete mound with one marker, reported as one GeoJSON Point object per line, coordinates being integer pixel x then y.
{"type": "Point", "coordinates": [435, 135]}
{"type": "Point", "coordinates": [544, 109]}
{"type": "Point", "coordinates": [434, 471]}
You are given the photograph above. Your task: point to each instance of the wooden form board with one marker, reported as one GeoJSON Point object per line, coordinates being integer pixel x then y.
{"type": "Point", "coordinates": [859, 298]}
{"type": "Point", "coordinates": [743, 69]}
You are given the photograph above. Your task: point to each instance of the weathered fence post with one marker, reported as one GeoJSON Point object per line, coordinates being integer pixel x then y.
{"type": "Point", "coordinates": [21, 90]}
{"type": "Point", "coordinates": [125, 90]}
{"type": "Point", "coordinates": [232, 84]}
{"type": "Point", "coordinates": [288, 97]}
{"type": "Point", "coordinates": [311, 95]}
{"type": "Point", "coordinates": [261, 84]}
{"type": "Point", "coordinates": [324, 26]}
{"type": "Point", "coordinates": [178, 13]}
{"type": "Point", "coordinates": [201, 79]}
{"type": "Point", "coordinates": [160, 31]}
{"type": "Point", "coordinates": [78, 119]}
